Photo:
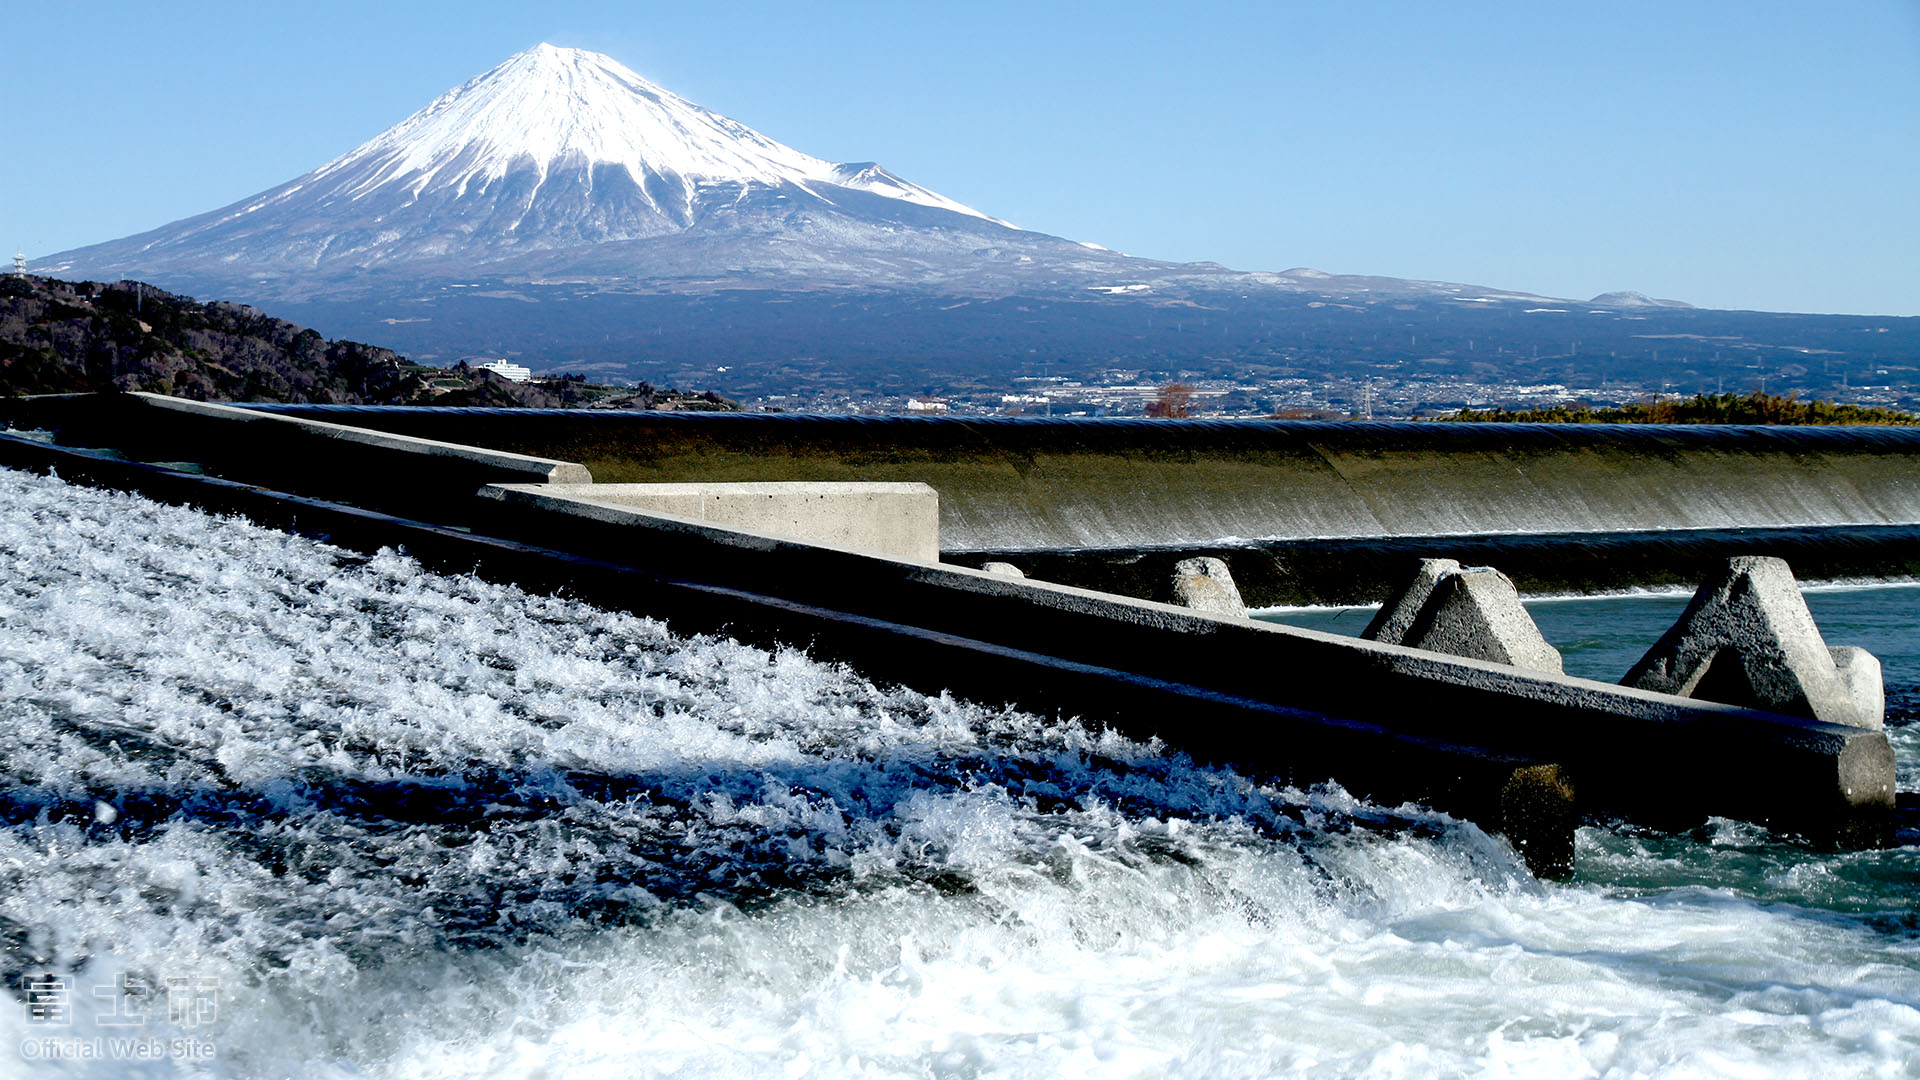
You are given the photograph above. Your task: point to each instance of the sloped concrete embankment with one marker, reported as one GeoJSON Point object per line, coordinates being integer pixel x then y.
{"type": "Point", "coordinates": [1319, 512]}
{"type": "Point", "coordinates": [1501, 744]}
{"type": "Point", "coordinates": [1008, 484]}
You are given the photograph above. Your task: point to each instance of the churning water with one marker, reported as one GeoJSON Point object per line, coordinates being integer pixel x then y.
{"type": "Point", "coordinates": [275, 809]}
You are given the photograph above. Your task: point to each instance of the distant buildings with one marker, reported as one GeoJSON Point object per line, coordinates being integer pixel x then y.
{"type": "Point", "coordinates": [512, 372]}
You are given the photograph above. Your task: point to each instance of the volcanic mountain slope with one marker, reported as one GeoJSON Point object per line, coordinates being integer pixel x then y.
{"type": "Point", "coordinates": [564, 162]}
{"type": "Point", "coordinates": [564, 212]}
{"type": "Point", "coordinates": [562, 165]}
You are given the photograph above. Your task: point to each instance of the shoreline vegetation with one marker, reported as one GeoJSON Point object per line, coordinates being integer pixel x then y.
{"type": "Point", "coordinates": [1754, 408]}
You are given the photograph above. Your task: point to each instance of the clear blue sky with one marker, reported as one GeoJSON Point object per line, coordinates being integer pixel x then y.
{"type": "Point", "coordinates": [1732, 154]}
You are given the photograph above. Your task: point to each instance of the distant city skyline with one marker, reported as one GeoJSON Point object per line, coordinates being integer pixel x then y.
{"type": "Point", "coordinates": [1739, 155]}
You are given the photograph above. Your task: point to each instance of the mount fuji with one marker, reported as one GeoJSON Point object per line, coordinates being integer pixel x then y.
{"type": "Point", "coordinates": [563, 211]}
{"type": "Point", "coordinates": [562, 164]}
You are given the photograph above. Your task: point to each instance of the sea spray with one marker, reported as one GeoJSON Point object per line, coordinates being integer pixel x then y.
{"type": "Point", "coordinates": [393, 823]}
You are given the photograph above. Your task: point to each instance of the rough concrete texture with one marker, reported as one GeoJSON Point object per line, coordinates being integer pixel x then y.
{"type": "Point", "coordinates": [531, 469]}
{"type": "Point", "coordinates": [1204, 584]}
{"type": "Point", "coordinates": [897, 519]}
{"type": "Point", "coordinates": [1006, 569]}
{"type": "Point", "coordinates": [1476, 613]}
{"type": "Point", "coordinates": [1860, 674]}
{"type": "Point", "coordinates": [1013, 483]}
{"type": "Point", "coordinates": [1748, 639]}
{"type": "Point", "coordinates": [1473, 612]}
{"type": "Point", "coordinates": [1397, 615]}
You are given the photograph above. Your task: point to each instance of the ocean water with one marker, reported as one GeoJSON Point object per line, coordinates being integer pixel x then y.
{"type": "Point", "coordinates": [276, 809]}
{"type": "Point", "coordinates": [1601, 637]}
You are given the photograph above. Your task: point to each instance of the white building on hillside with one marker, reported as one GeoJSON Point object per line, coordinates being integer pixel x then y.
{"type": "Point", "coordinates": [505, 370]}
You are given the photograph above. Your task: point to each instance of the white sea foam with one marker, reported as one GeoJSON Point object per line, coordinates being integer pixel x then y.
{"type": "Point", "coordinates": [421, 826]}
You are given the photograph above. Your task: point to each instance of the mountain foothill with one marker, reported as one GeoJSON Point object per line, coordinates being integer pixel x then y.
{"type": "Point", "coordinates": [62, 337]}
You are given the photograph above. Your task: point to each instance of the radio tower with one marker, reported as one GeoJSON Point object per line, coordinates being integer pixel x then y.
{"type": "Point", "coordinates": [19, 263]}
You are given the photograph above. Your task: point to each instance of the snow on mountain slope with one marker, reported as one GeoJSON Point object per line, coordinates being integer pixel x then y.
{"type": "Point", "coordinates": [564, 166]}
{"type": "Point", "coordinates": [1630, 299]}
{"type": "Point", "coordinates": [549, 106]}
{"type": "Point", "coordinates": [555, 149]}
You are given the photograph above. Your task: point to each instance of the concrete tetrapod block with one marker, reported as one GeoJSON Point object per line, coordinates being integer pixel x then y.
{"type": "Point", "coordinates": [1473, 612]}
{"type": "Point", "coordinates": [1747, 639]}
{"type": "Point", "coordinates": [1205, 584]}
{"type": "Point", "coordinates": [1476, 613]}
{"type": "Point", "coordinates": [1396, 616]}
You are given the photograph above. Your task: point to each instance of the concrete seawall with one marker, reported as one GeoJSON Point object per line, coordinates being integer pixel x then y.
{"type": "Point", "coordinates": [1504, 746]}
{"type": "Point", "coordinates": [898, 520]}
{"type": "Point", "coordinates": [1363, 570]}
{"type": "Point", "coordinates": [313, 455]}
{"type": "Point", "coordinates": [1399, 722]}
{"type": "Point", "coordinates": [1012, 484]}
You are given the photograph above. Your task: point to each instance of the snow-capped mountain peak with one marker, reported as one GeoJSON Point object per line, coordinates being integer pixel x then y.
{"type": "Point", "coordinates": [559, 156]}
{"type": "Point", "coordinates": [549, 103]}
{"type": "Point", "coordinates": [551, 106]}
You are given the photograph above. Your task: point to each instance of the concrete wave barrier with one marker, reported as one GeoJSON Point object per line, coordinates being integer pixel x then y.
{"type": "Point", "coordinates": [1520, 751]}
{"type": "Point", "coordinates": [1354, 570]}
{"type": "Point", "coordinates": [1747, 639]}
{"type": "Point", "coordinates": [407, 473]}
{"type": "Point", "coordinates": [901, 520]}
{"type": "Point", "coordinates": [1010, 484]}
{"type": "Point", "coordinates": [1300, 512]}
{"type": "Point", "coordinates": [1471, 611]}
{"type": "Point", "coordinates": [1388, 720]}
{"type": "Point", "coordinates": [156, 423]}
